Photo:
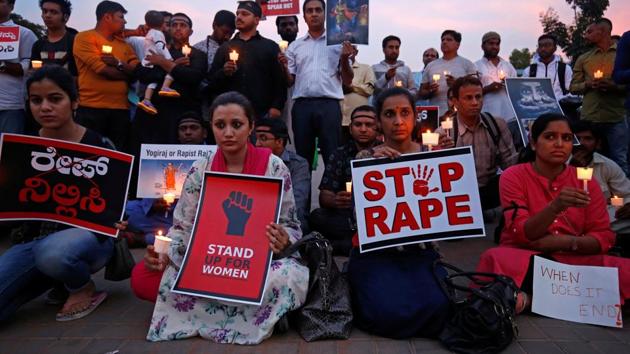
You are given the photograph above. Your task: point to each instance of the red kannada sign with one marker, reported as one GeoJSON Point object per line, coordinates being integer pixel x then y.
{"type": "Point", "coordinates": [281, 7]}
{"type": "Point", "coordinates": [228, 257]}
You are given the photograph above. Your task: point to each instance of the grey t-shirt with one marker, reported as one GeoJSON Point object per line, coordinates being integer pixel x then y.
{"type": "Point", "coordinates": [456, 67]}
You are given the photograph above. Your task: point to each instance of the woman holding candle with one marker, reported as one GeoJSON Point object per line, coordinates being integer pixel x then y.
{"type": "Point", "coordinates": [394, 291]}
{"type": "Point", "coordinates": [547, 211]}
{"type": "Point", "coordinates": [49, 255]}
{"type": "Point", "coordinates": [180, 316]}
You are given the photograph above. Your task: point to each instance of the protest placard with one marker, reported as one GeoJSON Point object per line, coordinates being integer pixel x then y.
{"type": "Point", "coordinates": [280, 7]}
{"type": "Point", "coordinates": [416, 198]}
{"type": "Point", "coordinates": [228, 256]}
{"type": "Point", "coordinates": [347, 20]}
{"type": "Point", "coordinates": [9, 42]}
{"type": "Point", "coordinates": [427, 118]}
{"type": "Point", "coordinates": [74, 184]}
{"type": "Point", "coordinates": [163, 168]}
{"type": "Point", "coordinates": [584, 294]}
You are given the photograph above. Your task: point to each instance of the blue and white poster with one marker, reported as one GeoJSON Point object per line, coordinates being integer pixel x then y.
{"type": "Point", "coordinates": [347, 20]}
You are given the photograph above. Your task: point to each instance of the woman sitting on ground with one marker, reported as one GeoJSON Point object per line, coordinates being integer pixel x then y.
{"type": "Point", "coordinates": [548, 212]}
{"type": "Point", "coordinates": [394, 291]}
{"type": "Point", "coordinates": [51, 255]}
{"type": "Point", "coordinates": [180, 316]}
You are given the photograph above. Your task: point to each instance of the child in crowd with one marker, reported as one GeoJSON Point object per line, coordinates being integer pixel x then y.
{"type": "Point", "coordinates": [155, 42]}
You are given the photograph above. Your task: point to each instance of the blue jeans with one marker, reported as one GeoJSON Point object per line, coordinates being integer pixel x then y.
{"type": "Point", "coordinates": [12, 121]}
{"type": "Point", "coordinates": [616, 135]}
{"type": "Point", "coordinates": [150, 222]}
{"type": "Point", "coordinates": [29, 269]}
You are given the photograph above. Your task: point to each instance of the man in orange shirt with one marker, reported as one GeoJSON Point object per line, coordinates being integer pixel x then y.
{"type": "Point", "coordinates": [106, 64]}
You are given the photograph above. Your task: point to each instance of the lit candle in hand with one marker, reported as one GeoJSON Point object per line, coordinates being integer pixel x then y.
{"type": "Point", "coordinates": [349, 187]}
{"type": "Point", "coordinates": [430, 139]}
{"type": "Point", "coordinates": [436, 77]}
{"type": "Point", "coordinates": [616, 202]}
{"type": "Point", "coordinates": [162, 243]}
{"type": "Point", "coordinates": [186, 50]}
{"type": "Point", "coordinates": [234, 56]}
{"type": "Point", "coordinates": [398, 83]}
{"type": "Point", "coordinates": [169, 198]}
{"type": "Point", "coordinates": [36, 64]}
{"type": "Point", "coordinates": [501, 75]}
{"type": "Point", "coordinates": [598, 74]}
{"type": "Point", "coordinates": [447, 125]}
{"type": "Point", "coordinates": [585, 174]}
{"type": "Point", "coordinates": [106, 49]}
{"type": "Point", "coordinates": [283, 46]}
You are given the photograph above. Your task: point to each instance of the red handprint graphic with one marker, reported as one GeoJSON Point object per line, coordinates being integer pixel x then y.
{"type": "Point", "coordinates": [421, 182]}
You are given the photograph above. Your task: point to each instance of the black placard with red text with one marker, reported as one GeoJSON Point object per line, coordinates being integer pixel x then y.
{"type": "Point", "coordinates": [228, 256]}
{"type": "Point", "coordinates": [59, 181]}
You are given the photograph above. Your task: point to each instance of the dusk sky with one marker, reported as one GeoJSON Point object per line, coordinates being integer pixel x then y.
{"type": "Point", "coordinates": [417, 22]}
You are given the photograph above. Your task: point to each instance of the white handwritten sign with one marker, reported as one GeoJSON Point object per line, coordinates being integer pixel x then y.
{"type": "Point", "coordinates": [584, 294]}
{"type": "Point", "coordinates": [416, 198]}
{"type": "Point", "coordinates": [9, 42]}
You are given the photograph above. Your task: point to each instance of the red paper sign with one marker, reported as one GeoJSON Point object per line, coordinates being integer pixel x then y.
{"type": "Point", "coordinates": [281, 7]}
{"type": "Point", "coordinates": [228, 256]}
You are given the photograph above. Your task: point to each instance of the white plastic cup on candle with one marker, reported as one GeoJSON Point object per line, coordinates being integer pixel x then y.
{"type": "Point", "coordinates": [162, 243]}
{"type": "Point", "coordinates": [169, 198]}
{"type": "Point", "coordinates": [447, 125]}
{"type": "Point", "coordinates": [446, 72]}
{"type": "Point", "coordinates": [36, 64]}
{"type": "Point", "coordinates": [598, 74]}
{"type": "Point", "coordinates": [186, 50]}
{"type": "Point", "coordinates": [349, 187]}
{"type": "Point", "coordinates": [283, 46]}
{"type": "Point", "coordinates": [501, 75]}
{"type": "Point", "coordinates": [616, 202]}
{"type": "Point", "coordinates": [436, 77]}
{"type": "Point", "coordinates": [234, 56]}
{"type": "Point", "coordinates": [106, 49]}
{"type": "Point", "coordinates": [430, 139]}
{"type": "Point", "coordinates": [585, 174]}
{"type": "Point", "coordinates": [398, 83]}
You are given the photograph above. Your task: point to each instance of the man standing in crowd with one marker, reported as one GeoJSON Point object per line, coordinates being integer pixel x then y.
{"type": "Point", "coordinates": [334, 217]}
{"type": "Point", "coordinates": [187, 72]}
{"type": "Point", "coordinates": [223, 27]}
{"type": "Point", "coordinates": [104, 77]}
{"type": "Point", "coordinates": [547, 64]}
{"type": "Point", "coordinates": [428, 56]}
{"type": "Point", "coordinates": [448, 68]}
{"type": "Point", "coordinates": [317, 72]}
{"type": "Point", "coordinates": [357, 94]}
{"type": "Point", "coordinates": [392, 72]}
{"type": "Point", "coordinates": [12, 71]}
{"type": "Point", "coordinates": [274, 134]}
{"type": "Point", "coordinates": [287, 27]}
{"type": "Point", "coordinates": [603, 99]}
{"type": "Point", "coordinates": [56, 47]}
{"type": "Point", "coordinates": [489, 137]}
{"type": "Point", "coordinates": [492, 71]}
{"type": "Point", "coordinates": [257, 73]}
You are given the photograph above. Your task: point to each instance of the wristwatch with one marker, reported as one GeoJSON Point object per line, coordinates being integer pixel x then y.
{"type": "Point", "coordinates": [120, 66]}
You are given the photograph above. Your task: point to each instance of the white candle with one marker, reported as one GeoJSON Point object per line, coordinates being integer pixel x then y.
{"type": "Point", "coordinates": [349, 187]}
{"type": "Point", "coordinates": [585, 174]}
{"type": "Point", "coordinates": [616, 202]}
{"type": "Point", "coordinates": [162, 243]}
{"type": "Point", "coordinates": [36, 64]}
{"type": "Point", "coordinates": [430, 139]}
{"type": "Point", "coordinates": [283, 46]}
{"type": "Point", "coordinates": [447, 125]}
{"type": "Point", "coordinates": [598, 74]}
{"type": "Point", "coordinates": [398, 83]}
{"type": "Point", "coordinates": [186, 50]}
{"type": "Point", "coordinates": [169, 198]}
{"type": "Point", "coordinates": [436, 77]}
{"type": "Point", "coordinates": [446, 72]}
{"type": "Point", "coordinates": [233, 56]}
{"type": "Point", "coordinates": [501, 75]}
{"type": "Point", "coordinates": [106, 49]}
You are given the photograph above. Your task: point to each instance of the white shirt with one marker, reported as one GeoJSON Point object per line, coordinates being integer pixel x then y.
{"type": "Point", "coordinates": [551, 71]}
{"type": "Point", "coordinates": [155, 42]}
{"type": "Point", "coordinates": [316, 68]}
{"type": "Point", "coordinates": [458, 67]}
{"type": "Point", "coordinates": [12, 88]}
{"type": "Point", "coordinates": [496, 103]}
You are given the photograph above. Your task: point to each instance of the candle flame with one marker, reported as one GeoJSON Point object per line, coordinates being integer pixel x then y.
{"type": "Point", "coordinates": [159, 232]}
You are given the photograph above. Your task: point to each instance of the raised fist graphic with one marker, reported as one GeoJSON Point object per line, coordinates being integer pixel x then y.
{"type": "Point", "coordinates": [237, 207]}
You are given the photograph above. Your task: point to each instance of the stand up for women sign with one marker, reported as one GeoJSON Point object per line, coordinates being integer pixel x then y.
{"type": "Point", "coordinates": [416, 198]}
{"type": "Point", "coordinates": [582, 294]}
{"type": "Point", "coordinates": [228, 256]}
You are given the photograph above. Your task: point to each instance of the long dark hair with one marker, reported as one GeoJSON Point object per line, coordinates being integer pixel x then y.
{"type": "Point", "coordinates": [539, 126]}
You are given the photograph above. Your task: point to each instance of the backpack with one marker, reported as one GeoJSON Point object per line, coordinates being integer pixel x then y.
{"type": "Point", "coordinates": [562, 68]}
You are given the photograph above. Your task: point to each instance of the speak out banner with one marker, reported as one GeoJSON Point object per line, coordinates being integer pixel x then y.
{"type": "Point", "coordinates": [416, 198]}
{"type": "Point", "coordinates": [280, 7]}
{"type": "Point", "coordinates": [228, 257]}
{"type": "Point", "coordinates": [53, 180]}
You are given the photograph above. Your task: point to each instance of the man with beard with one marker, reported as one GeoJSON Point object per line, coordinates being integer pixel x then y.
{"type": "Point", "coordinates": [392, 72]}
{"type": "Point", "coordinates": [287, 27]}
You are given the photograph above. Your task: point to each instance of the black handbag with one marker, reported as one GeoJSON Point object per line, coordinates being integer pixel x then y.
{"type": "Point", "coordinates": [483, 321]}
{"type": "Point", "coordinates": [327, 312]}
{"type": "Point", "coordinates": [120, 265]}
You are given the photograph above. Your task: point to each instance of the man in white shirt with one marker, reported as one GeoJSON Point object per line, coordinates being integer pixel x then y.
{"type": "Point", "coordinates": [392, 72]}
{"type": "Point", "coordinates": [492, 71]}
{"type": "Point", "coordinates": [317, 72]}
{"type": "Point", "coordinates": [12, 72]}
{"type": "Point", "coordinates": [547, 64]}
{"type": "Point", "coordinates": [446, 70]}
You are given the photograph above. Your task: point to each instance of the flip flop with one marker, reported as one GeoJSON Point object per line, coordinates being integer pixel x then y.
{"type": "Point", "coordinates": [97, 299]}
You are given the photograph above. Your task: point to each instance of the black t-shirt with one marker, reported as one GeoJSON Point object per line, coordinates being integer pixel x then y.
{"type": "Point", "coordinates": [59, 53]}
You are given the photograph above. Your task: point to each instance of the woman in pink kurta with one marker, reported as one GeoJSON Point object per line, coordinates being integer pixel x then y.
{"type": "Point", "coordinates": [547, 211]}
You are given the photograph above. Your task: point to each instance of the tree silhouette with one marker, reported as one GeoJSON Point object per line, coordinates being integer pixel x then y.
{"type": "Point", "coordinates": [39, 30]}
